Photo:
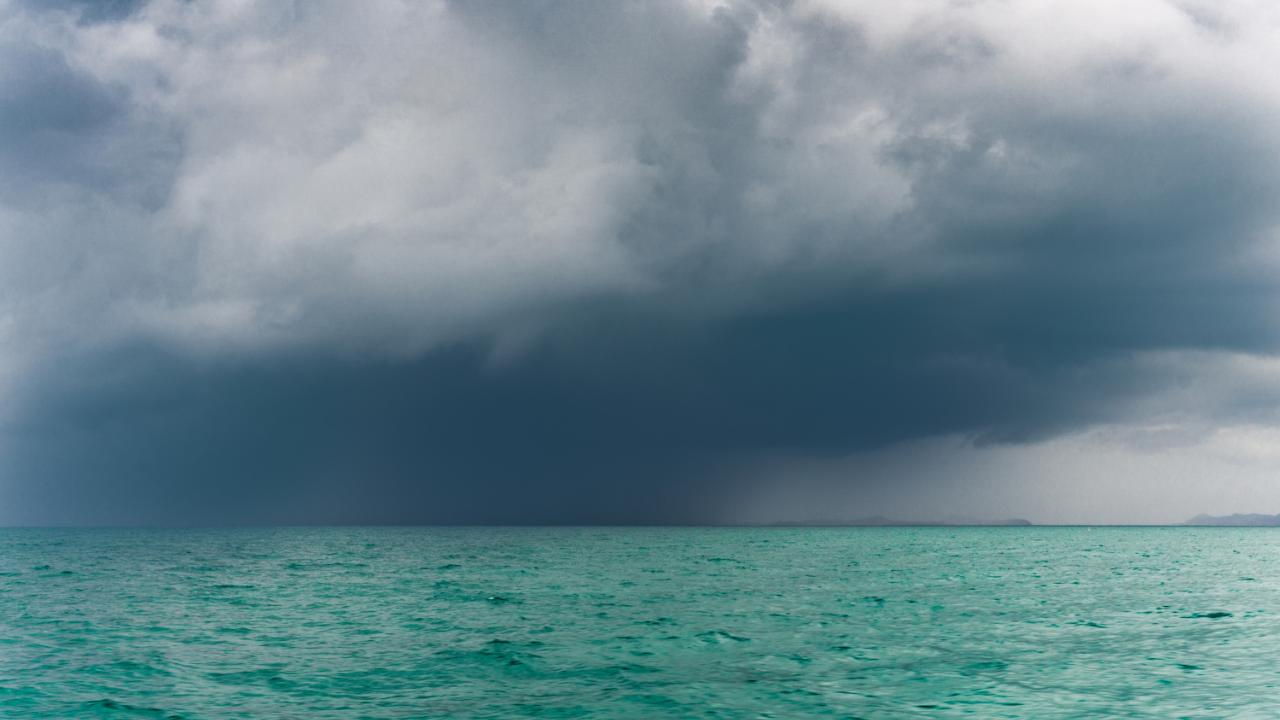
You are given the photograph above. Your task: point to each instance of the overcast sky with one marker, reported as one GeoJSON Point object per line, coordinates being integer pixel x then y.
{"type": "Point", "coordinates": [638, 261]}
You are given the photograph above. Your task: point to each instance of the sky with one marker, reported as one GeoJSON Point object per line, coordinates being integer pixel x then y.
{"type": "Point", "coordinates": [690, 261]}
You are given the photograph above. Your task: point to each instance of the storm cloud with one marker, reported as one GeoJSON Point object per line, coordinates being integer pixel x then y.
{"type": "Point", "coordinates": [623, 262]}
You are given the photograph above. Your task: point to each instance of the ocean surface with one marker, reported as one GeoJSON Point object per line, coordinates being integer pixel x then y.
{"type": "Point", "coordinates": [640, 623]}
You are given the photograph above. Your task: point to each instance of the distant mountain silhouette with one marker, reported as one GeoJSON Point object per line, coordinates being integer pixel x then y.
{"type": "Point", "coordinates": [1236, 520]}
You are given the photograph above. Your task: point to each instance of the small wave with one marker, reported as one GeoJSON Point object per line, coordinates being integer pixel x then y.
{"type": "Point", "coordinates": [721, 636]}
{"type": "Point", "coordinates": [115, 708]}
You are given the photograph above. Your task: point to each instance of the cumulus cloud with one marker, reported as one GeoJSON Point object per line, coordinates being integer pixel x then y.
{"type": "Point", "coordinates": [676, 230]}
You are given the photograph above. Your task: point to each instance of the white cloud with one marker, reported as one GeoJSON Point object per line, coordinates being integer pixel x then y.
{"type": "Point", "coordinates": [413, 169]}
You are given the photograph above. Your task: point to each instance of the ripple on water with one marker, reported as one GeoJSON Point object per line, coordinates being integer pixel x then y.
{"type": "Point", "coordinates": [636, 623]}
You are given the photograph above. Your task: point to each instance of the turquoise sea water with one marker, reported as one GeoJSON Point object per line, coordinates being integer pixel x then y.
{"type": "Point", "coordinates": [640, 623]}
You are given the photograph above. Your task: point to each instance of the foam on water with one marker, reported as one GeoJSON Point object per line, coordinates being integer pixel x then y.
{"type": "Point", "coordinates": [640, 623]}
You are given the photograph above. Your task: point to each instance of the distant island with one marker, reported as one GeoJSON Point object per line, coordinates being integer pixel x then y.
{"type": "Point", "coordinates": [882, 521]}
{"type": "Point", "coordinates": [1236, 520]}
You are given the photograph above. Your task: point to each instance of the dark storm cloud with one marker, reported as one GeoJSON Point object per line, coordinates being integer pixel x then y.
{"type": "Point", "coordinates": [551, 262]}
{"type": "Point", "coordinates": [53, 118]}
{"type": "Point", "coordinates": [87, 11]}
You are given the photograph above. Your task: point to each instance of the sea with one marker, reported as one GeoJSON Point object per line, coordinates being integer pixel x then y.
{"type": "Point", "coordinates": [764, 622]}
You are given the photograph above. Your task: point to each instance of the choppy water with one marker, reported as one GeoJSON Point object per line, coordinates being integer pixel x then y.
{"type": "Point", "coordinates": [640, 623]}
